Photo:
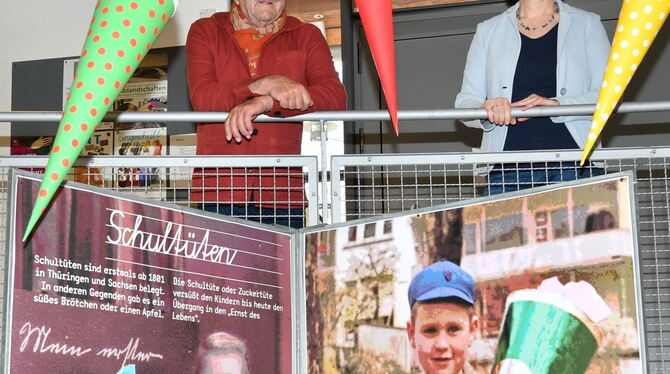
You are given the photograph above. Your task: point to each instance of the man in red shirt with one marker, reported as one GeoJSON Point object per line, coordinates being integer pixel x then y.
{"type": "Point", "coordinates": [257, 60]}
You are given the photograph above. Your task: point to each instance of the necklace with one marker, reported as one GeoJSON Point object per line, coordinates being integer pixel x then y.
{"type": "Point", "coordinates": [528, 28]}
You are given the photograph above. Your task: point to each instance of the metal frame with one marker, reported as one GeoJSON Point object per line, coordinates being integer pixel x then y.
{"type": "Point", "coordinates": [653, 188]}
{"type": "Point", "coordinates": [295, 253]}
{"type": "Point", "coordinates": [308, 162]}
{"type": "Point", "coordinates": [630, 177]}
{"type": "Point", "coordinates": [338, 163]}
{"type": "Point", "coordinates": [323, 116]}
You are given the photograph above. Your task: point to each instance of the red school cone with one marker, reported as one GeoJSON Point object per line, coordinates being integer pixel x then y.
{"type": "Point", "coordinates": [378, 25]}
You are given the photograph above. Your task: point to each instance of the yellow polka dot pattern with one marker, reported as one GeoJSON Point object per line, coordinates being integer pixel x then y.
{"type": "Point", "coordinates": [639, 22]}
{"type": "Point", "coordinates": [121, 33]}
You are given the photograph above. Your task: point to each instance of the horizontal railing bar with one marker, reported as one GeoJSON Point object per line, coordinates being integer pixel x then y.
{"type": "Point", "coordinates": [351, 115]}
{"type": "Point", "coordinates": [497, 157]}
{"type": "Point", "coordinates": [265, 161]}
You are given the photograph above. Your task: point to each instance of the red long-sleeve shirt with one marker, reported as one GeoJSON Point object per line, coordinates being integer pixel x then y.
{"type": "Point", "coordinates": [218, 79]}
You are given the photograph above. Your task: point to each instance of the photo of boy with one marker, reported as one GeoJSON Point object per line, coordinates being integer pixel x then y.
{"type": "Point", "coordinates": [362, 272]}
{"type": "Point", "coordinates": [443, 322]}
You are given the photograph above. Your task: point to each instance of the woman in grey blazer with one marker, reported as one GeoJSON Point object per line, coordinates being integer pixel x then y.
{"type": "Point", "coordinates": [538, 52]}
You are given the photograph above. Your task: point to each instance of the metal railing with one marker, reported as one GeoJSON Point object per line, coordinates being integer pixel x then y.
{"type": "Point", "coordinates": [170, 178]}
{"type": "Point", "coordinates": [369, 185]}
{"type": "Point", "coordinates": [377, 115]}
{"type": "Point", "coordinates": [324, 116]}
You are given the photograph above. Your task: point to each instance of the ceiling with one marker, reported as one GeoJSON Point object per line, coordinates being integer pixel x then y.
{"type": "Point", "coordinates": [329, 12]}
{"type": "Point", "coordinates": [318, 10]}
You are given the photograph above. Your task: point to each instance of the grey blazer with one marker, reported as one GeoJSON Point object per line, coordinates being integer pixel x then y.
{"type": "Point", "coordinates": [583, 50]}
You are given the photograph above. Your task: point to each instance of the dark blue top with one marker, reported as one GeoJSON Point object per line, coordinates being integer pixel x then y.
{"type": "Point", "coordinates": [536, 74]}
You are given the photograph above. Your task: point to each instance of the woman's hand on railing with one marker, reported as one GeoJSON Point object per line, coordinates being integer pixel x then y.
{"type": "Point", "coordinates": [499, 111]}
{"type": "Point", "coordinates": [533, 101]}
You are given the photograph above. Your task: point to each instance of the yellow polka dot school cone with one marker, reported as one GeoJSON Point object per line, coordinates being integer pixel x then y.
{"type": "Point", "coordinates": [120, 35]}
{"type": "Point", "coordinates": [639, 22]}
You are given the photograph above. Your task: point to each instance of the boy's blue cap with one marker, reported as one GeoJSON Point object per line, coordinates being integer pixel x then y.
{"type": "Point", "coordinates": [439, 280]}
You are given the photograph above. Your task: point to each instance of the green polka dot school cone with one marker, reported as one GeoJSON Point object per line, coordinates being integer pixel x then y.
{"type": "Point", "coordinates": [544, 333]}
{"type": "Point", "coordinates": [639, 22]}
{"type": "Point", "coordinates": [120, 35]}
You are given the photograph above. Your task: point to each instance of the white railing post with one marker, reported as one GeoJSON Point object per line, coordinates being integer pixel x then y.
{"type": "Point", "coordinates": [323, 134]}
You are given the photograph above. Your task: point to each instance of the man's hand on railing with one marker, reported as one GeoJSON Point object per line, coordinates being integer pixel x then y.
{"type": "Point", "coordinates": [290, 94]}
{"type": "Point", "coordinates": [238, 123]}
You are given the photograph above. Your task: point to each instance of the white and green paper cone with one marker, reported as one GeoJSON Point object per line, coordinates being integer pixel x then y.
{"type": "Point", "coordinates": [543, 333]}
{"type": "Point", "coordinates": [120, 35]}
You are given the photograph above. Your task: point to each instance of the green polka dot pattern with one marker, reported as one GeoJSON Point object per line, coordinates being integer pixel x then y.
{"type": "Point", "coordinates": [120, 34]}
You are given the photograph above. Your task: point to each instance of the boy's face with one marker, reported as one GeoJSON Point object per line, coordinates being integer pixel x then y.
{"type": "Point", "coordinates": [441, 334]}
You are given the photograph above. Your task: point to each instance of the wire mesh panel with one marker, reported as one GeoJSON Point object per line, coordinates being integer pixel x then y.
{"type": "Point", "coordinates": [379, 189]}
{"type": "Point", "coordinates": [366, 186]}
{"type": "Point", "coordinates": [272, 195]}
{"type": "Point", "coordinates": [653, 210]}
{"type": "Point", "coordinates": [371, 185]}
